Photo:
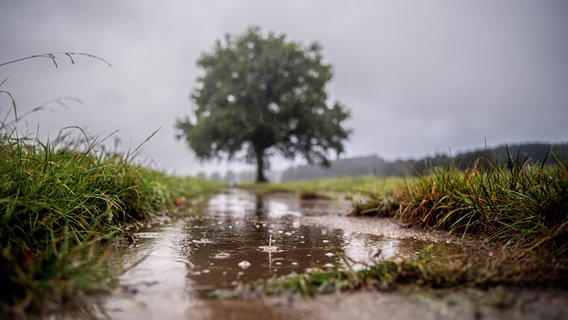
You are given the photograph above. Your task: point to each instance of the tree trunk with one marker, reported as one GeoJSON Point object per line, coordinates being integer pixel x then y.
{"type": "Point", "coordinates": [260, 166]}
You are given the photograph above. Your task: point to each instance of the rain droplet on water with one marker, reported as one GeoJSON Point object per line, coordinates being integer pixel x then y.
{"type": "Point", "coordinates": [244, 264]}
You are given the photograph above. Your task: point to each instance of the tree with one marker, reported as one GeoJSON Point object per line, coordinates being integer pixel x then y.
{"type": "Point", "coordinates": [260, 96]}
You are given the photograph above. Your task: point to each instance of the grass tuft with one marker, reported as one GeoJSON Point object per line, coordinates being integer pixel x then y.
{"type": "Point", "coordinates": [520, 205]}
{"type": "Point", "coordinates": [431, 268]}
{"type": "Point", "coordinates": [63, 204]}
{"type": "Point", "coordinates": [58, 202]}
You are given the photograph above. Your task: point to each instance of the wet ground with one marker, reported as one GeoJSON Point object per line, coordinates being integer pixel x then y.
{"type": "Point", "coordinates": [178, 265]}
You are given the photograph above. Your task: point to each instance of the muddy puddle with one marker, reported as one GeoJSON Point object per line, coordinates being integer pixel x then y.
{"type": "Point", "coordinates": [177, 266]}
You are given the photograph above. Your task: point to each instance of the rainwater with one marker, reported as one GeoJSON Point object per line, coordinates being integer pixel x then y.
{"type": "Point", "coordinates": [177, 266]}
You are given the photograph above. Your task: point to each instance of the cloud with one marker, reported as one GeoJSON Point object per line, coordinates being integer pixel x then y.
{"type": "Point", "coordinates": [420, 77]}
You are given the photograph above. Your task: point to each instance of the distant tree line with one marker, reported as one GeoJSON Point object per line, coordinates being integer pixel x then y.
{"type": "Point", "coordinates": [374, 165]}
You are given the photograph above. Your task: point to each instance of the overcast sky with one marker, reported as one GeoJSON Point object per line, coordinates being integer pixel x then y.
{"type": "Point", "coordinates": [420, 77]}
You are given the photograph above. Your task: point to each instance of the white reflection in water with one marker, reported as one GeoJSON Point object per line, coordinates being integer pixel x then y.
{"type": "Point", "coordinates": [277, 209]}
{"type": "Point", "coordinates": [157, 274]}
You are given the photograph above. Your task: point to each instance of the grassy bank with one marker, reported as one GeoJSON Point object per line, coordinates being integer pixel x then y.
{"type": "Point", "coordinates": [518, 206]}
{"type": "Point", "coordinates": [518, 213]}
{"type": "Point", "coordinates": [58, 203]}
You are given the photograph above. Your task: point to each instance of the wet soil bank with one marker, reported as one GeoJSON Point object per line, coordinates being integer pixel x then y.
{"type": "Point", "coordinates": [182, 268]}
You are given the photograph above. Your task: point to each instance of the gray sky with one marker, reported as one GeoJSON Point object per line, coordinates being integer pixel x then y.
{"type": "Point", "coordinates": [419, 77]}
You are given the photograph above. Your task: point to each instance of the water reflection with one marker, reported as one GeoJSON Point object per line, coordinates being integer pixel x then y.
{"type": "Point", "coordinates": [153, 281]}
{"type": "Point", "coordinates": [178, 265]}
{"type": "Point", "coordinates": [233, 233]}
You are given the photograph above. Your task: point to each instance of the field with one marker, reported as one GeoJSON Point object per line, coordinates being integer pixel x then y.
{"type": "Point", "coordinates": [332, 187]}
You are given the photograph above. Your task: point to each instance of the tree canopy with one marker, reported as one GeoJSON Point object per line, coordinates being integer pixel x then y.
{"type": "Point", "coordinates": [262, 95]}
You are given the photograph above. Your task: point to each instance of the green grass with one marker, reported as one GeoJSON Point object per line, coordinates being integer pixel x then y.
{"type": "Point", "coordinates": [521, 205]}
{"type": "Point", "coordinates": [331, 186]}
{"type": "Point", "coordinates": [431, 268]}
{"type": "Point", "coordinates": [63, 204]}
{"type": "Point", "coordinates": [58, 203]}
{"type": "Point", "coordinates": [519, 211]}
